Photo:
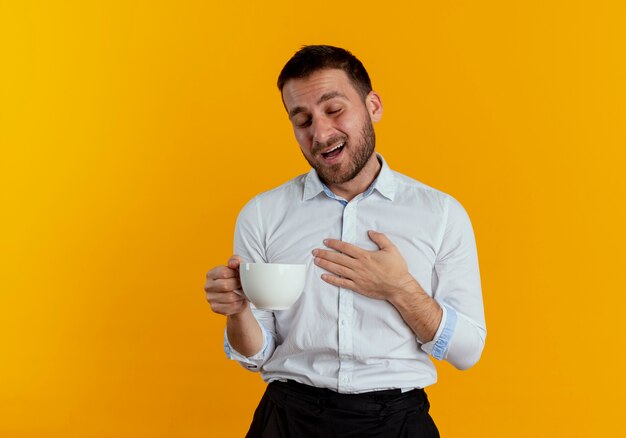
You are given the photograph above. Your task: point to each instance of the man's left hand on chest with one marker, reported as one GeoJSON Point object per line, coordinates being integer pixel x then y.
{"type": "Point", "coordinates": [382, 274]}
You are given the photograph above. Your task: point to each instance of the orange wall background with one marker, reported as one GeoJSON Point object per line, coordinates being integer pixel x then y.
{"type": "Point", "coordinates": [132, 132]}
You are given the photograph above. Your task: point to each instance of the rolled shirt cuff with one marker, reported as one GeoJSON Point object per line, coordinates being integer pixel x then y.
{"type": "Point", "coordinates": [438, 347]}
{"type": "Point", "coordinates": [252, 363]}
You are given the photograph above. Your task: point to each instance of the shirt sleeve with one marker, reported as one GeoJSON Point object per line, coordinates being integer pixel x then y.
{"type": "Point", "coordinates": [254, 362]}
{"type": "Point", "coordinates": [460, 338]}
{"type": "Point", "coordinates": [438, 347]}
{"type": "Point", "coordinates": [248, 244]}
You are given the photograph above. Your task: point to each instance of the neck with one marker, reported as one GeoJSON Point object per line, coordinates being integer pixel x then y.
{"type": "Point", "coordinates": [359, 183]}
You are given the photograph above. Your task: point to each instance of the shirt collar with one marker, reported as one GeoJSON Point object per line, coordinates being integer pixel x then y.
{"type": "Point", "coordinates": [385, 183]}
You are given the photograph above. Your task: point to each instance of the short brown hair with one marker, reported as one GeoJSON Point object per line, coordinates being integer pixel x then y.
{"type": "Point", "coordinates": [310, 59]}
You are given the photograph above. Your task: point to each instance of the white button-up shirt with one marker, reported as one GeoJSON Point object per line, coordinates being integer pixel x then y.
{"type": "Point", "coordinates": [337, 338]}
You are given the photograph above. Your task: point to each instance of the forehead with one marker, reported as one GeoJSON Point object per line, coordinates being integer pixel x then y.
{"type": "Point", "coordinates": [307, 91]}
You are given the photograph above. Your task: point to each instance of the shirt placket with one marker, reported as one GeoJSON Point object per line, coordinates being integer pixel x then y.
{"type": "Point", "coordinates": [346, 308]}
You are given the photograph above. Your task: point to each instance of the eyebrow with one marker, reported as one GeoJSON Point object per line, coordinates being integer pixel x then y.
{"type": "Point", "coordinates": [323, 98]}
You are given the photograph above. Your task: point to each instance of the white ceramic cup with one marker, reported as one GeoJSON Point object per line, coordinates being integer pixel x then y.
{"type": "Point", "coordinates": [272, 286]}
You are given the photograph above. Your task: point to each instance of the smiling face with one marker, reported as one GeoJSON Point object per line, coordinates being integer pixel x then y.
{"type": "Point", "coordinates": [333, 125]}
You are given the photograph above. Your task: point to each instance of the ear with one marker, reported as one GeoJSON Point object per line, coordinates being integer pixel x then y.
{"type": "Point", "coordinates": [374, 106]}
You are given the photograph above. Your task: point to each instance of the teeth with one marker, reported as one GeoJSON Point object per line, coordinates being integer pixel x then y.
{"type": "Point", "coordinates": [335, 148]}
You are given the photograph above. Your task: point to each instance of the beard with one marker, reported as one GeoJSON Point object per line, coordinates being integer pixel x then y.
{"type": "Point", "coordinates": [362, 153]}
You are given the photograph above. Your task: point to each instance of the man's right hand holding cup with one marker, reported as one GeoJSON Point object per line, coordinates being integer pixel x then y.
{"type": "Point", "coordinates": [243, 330]}
{"type": "Point", "coordinates": [220, 286]}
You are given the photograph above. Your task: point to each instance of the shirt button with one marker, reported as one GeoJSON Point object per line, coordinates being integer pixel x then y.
{"type": "Point", "coordinates": [344, 379]}
{"type": "Point", "coordinates": [343, 322]}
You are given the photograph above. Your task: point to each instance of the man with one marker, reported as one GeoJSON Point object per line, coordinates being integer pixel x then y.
{"type": "Point", "coordinates": [392, 273]}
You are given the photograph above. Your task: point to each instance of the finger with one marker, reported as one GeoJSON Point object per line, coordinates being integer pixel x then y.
{"type": "Point", "coordinates": [336, 257]}
{"type": "Point", "coordinates": [380, 239]}
{"type": "Point", "coordinates": [344, 283]}
{"type": "Point", "coordinates": [227, 309]}
{"type": "Point", "coordinates": [235, 261]}
{"type": "Point", "coordinates": [344, 247]}
{"type": "Point", "coordinates": [223, 298]}
{"type": "Point", "coordinates": [223, 285]}
{"type": "Point", "coordinates": [333, 267]}
{"type": "Point", "coordinates": [221, 272]}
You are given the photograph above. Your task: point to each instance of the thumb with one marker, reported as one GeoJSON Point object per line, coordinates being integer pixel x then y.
{"type": "Point", "coordinates": [380, 239]}
{"type": "Point", "coordinates": [235, 261]}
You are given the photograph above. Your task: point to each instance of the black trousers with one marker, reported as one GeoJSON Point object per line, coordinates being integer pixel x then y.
{"type": "Point", "coordinates": [293, 410]}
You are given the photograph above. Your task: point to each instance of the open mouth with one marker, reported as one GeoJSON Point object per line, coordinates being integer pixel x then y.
{"type": "Point", "coordinates": [332, 153]}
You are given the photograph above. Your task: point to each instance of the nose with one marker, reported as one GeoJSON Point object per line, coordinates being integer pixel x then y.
{"type": "Point", "coordinates": [322, 129]}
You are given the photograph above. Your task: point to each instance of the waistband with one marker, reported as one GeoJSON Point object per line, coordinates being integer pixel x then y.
{"type": "Point", "coordinates": [325, 398]}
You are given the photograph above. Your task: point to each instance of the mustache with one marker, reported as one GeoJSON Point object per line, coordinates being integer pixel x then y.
{"type": "Point", "coordinates": [319, 147]}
